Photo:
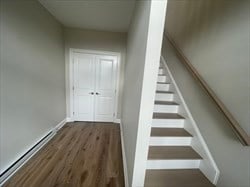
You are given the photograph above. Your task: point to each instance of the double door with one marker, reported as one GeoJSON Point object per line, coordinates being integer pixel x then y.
{"type": "Point", "coordinates": [94, 87]}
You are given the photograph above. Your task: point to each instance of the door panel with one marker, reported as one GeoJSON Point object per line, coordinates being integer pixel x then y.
{"type": "Point", "coordinates": [105, 88]}
{"type": "Point", "coordinates": [84, 86]}
{"type": "Point", "coordinates": [105, 71]}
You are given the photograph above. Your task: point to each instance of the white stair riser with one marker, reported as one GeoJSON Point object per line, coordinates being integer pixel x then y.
{"type": "Point", "coordinates": [163, 87]}
{"type": "Point", "coordinates": [162, 78]}
{"type": "Point", "coordinates": [173, 164]}
{"type": "Point", "coordinates": [170, 141]}
{"type": "Point", "coordinates": [166, 108]}
{"type": "Point", "coordinates": [164, 97]}
{"type": "Point", "coordinates": [161, 71]}
{"type": "Point", "coordinates": [168, 123]}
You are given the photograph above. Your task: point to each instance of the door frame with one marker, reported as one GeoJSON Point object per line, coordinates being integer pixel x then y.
{"type": "Point", "coordinates": [70, 88]}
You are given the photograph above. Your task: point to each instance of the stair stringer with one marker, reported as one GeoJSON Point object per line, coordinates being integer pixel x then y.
{"type": "Point", "coordinates": [207, 165]}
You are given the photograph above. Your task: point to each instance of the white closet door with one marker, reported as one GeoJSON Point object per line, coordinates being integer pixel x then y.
{"type": "Point", "coordinates": [105, 88]}
{"type": "Point", "coordinates": [84, 86]}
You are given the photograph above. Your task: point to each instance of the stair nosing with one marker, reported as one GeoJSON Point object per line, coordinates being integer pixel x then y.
{"type": "Point", "coordinates": [167, 92]}
{"type": "Point", "coordinates": [173, 176]}
{"type": "Point", "coordinates": [163, 83]}
{"type": "Point", "coordinates": [170, 114]}
{"type": "Point", "coordinates": [167, 103]}
{"type": "Point", "coordinates": [185, 134]}
{"type": "Point", "coordinates": [193, 156]}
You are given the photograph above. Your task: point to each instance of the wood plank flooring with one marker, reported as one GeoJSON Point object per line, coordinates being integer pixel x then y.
{"type": "Point", "coordinates": [81, 154]}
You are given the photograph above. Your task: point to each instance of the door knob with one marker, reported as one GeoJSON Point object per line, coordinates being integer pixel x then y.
{"type": "Point", "coordinates": [92, 93]}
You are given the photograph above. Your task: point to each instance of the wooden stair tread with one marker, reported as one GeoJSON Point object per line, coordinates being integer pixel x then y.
{"type": "Point", "coordinates": [165, 103]}
{"type": "Point", "coordinates": [172, 152]}
{"type": "Point", "coordinates": [176, 178]}
{"type": "Point", "coordinates": [163, 83]}
{"type": "Point", "coordinates": [170, 132]}
{"type": "Point", "coordinates": [159, 91]}
{"type": "Point", "coordinates": [167, 116]}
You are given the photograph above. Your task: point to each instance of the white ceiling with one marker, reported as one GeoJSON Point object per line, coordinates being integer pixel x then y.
{"type": "Point", "coordinates": [107, 15]}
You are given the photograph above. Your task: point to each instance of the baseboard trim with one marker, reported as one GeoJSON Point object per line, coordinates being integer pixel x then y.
{"type": "Point", "coordinates": [60, 125]}
{"type": "Point", "coordinates": [117, 121]}
{"type": "Point", "coordinates": [69, 119]}
{"type": "Point", "coordinates": [124, 158]}
{"type": "Point", "coordinates": [16, 165]}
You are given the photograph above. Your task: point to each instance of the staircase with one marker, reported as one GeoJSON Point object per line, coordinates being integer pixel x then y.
{"type": "Point", "coordinates": [172, 160]}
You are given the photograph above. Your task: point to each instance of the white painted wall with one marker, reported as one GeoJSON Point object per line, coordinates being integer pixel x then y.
{"type": "Point", "coordinates": [32, 77]}
{"type": "Point", "coordinates": [143, 55]}
{"type": "Point", "coordinates": [231, 157]}
{"type": "Point", "coordinates": [95, 40]}
{"type": "Point", "coordinates": [214, 36]}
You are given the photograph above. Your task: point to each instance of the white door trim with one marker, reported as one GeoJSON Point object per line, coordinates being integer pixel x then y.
{"type": "Point", "coordinates": [69, 89]}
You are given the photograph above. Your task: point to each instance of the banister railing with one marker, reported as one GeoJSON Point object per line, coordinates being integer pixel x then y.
{"type": "Point", "coordinates": [237, 129]}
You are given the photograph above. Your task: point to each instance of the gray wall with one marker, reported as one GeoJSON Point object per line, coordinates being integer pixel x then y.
{"type": "Point", "coordinates": [214, 36]}
{"type": "Point", "coordinates": [95, 40]}
{"type": "Point", "coordinates": [32, 77]}
{"type": "Point", "coordinates": [231, 157]}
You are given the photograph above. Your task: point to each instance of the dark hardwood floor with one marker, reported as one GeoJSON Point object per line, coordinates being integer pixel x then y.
{"type": "Point", "coordinates": [81, 154]}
